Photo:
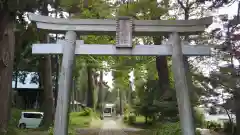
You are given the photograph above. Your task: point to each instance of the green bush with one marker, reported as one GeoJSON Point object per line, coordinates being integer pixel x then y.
{"type": "Point", "coordinates": [131, 119]}
{"type": "Point", "coordinates": [15, 116]}
{"type": "Point", "coordinates": [86, 112]}
{"type": "Point", "coordinates": [171, 129]}
{"type": "Point", "coordinates": [127, 108]}
{"type": "Point", "coordinates": [125, 118]}
{"type": "Point", "coordinates": [213, 125]}
{"type": "Point", "coordinates": [199, 118]}
{"type": "Point", "coordinates": [13, 123]}
{"type": "Point", "coordinates": [50, 131]}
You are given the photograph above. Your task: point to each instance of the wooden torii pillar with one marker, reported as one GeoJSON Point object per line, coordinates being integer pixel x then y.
{"type": "Point", "coordinates": [123, 28]}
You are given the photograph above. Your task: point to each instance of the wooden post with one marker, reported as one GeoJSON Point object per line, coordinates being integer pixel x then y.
{"type": "Point", "coordinates": [61, 116]}
{"type": "Point", "coordinates": [182, 91]}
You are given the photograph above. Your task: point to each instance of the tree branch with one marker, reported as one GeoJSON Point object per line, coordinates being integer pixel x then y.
{"type": "Point", "coordinates": [191, 4]}
{"type": "Point", "coordinates": [181, 4]}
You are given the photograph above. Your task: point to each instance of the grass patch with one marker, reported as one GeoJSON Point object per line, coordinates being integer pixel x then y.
{"type": "Point", "coordinates": [76, 120]}
{"type": "Point", "coordinates": [29, 132]}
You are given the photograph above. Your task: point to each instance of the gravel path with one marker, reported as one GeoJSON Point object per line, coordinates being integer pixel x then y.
{"type": "Point", "coordinates": [205, 131]}
{"type": "Point", "coordinates": [111, 127]}
{"type": "Point", "coordinates": [110, 124]}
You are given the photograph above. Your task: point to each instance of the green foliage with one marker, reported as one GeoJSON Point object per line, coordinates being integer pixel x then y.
{"type": "Point", "coordinates": [125, 118]}
{"type": "Point", "coordinates": [199, 118]}
{"type": "Point", "coordinates": [21, 6]}
{"type": "Point", "coordinates": [127, 108]}
{"type": "Point", "coordinates": [15, 116]}
{"type": "Point", "coordinates": [213, 125]}
{"type": "Point", "coordinates": [13, 123]}
{"type": "Point", "coordinates": [171, 129]}
{"type": "Point", "coordinates": [86, 112]}
{"type": "Point", "coordinates": [50, 131]}
{"type": "Point", "coordinates": [131, 119]}
{"type": "Point", "coordinates": [139, 9]}
{"type": "Point", "coordinates": [98, 9]}
{"type": "Point", "coordinates": [78, 121]}
{"type": "Point", "coordinates": [151, 104]}
{"type": "Point", "coordinates": [24, 60]}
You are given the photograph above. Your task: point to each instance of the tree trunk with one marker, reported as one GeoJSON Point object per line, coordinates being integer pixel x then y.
{"type": "Point", "coordinates": [56, 81]}
{"type": "Point", "coordinates": [7, 41]}
{"type": "Point", "coordinates": [77, 98]}
{"type": "Point", "coordinates": [121, 103]}
{"type": "Point", "coordinates": [161, 64]}
{"type": "Point", "coordinates": [146, 119]}
{"type": "Point", "coordinates": [15, 87]}
{"type": "Point", "coordinates": [90, 93]}
{"type": "Point", "coordinates": [129, 94]}
{"type": "Point", "coordinates": [48, 92]}
{"type": "Point", "coordinates": [100, 92]}
{"type": "Point", "coordinates": [237, 110]}
{"type": "Point", "coordinates": [230, 121]}
{"type": "Point", "coordinates": [16, 78]}
{"type": "Point", "coordinates": [48, 104]}
{"type": "Point", "coordinates": [162, 69]}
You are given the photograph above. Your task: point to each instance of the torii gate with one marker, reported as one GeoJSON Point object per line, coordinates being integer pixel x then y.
{"type": "Point", "coordinates": [123, 28]}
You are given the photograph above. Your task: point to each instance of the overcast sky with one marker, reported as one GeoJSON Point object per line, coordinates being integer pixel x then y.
{"type": "Point", "coordinates": [230, 10]}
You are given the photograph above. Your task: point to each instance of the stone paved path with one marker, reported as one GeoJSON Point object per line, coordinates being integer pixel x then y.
{"type": "Point", "coordinates": [205, 131]}
{"type": "Point", "coordinates": [208, 132]}
{"type": "Point", "coordinates": [111, 126]}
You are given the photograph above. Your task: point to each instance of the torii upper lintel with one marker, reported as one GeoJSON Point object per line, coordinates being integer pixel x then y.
{"type": "Point", "coordinates": [108, 26]}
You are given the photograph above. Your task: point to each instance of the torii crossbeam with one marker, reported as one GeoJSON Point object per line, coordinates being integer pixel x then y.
{"type": "Point", "coordinates": [123, 28]}
{"type": "Point", "coordinates": [108, 49]}
{"type": "Point", "coordinates": [108, 26]}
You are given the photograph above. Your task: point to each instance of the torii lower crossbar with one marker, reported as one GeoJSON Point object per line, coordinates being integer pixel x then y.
{"type": "Point", "coordinates": [138, 50]}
